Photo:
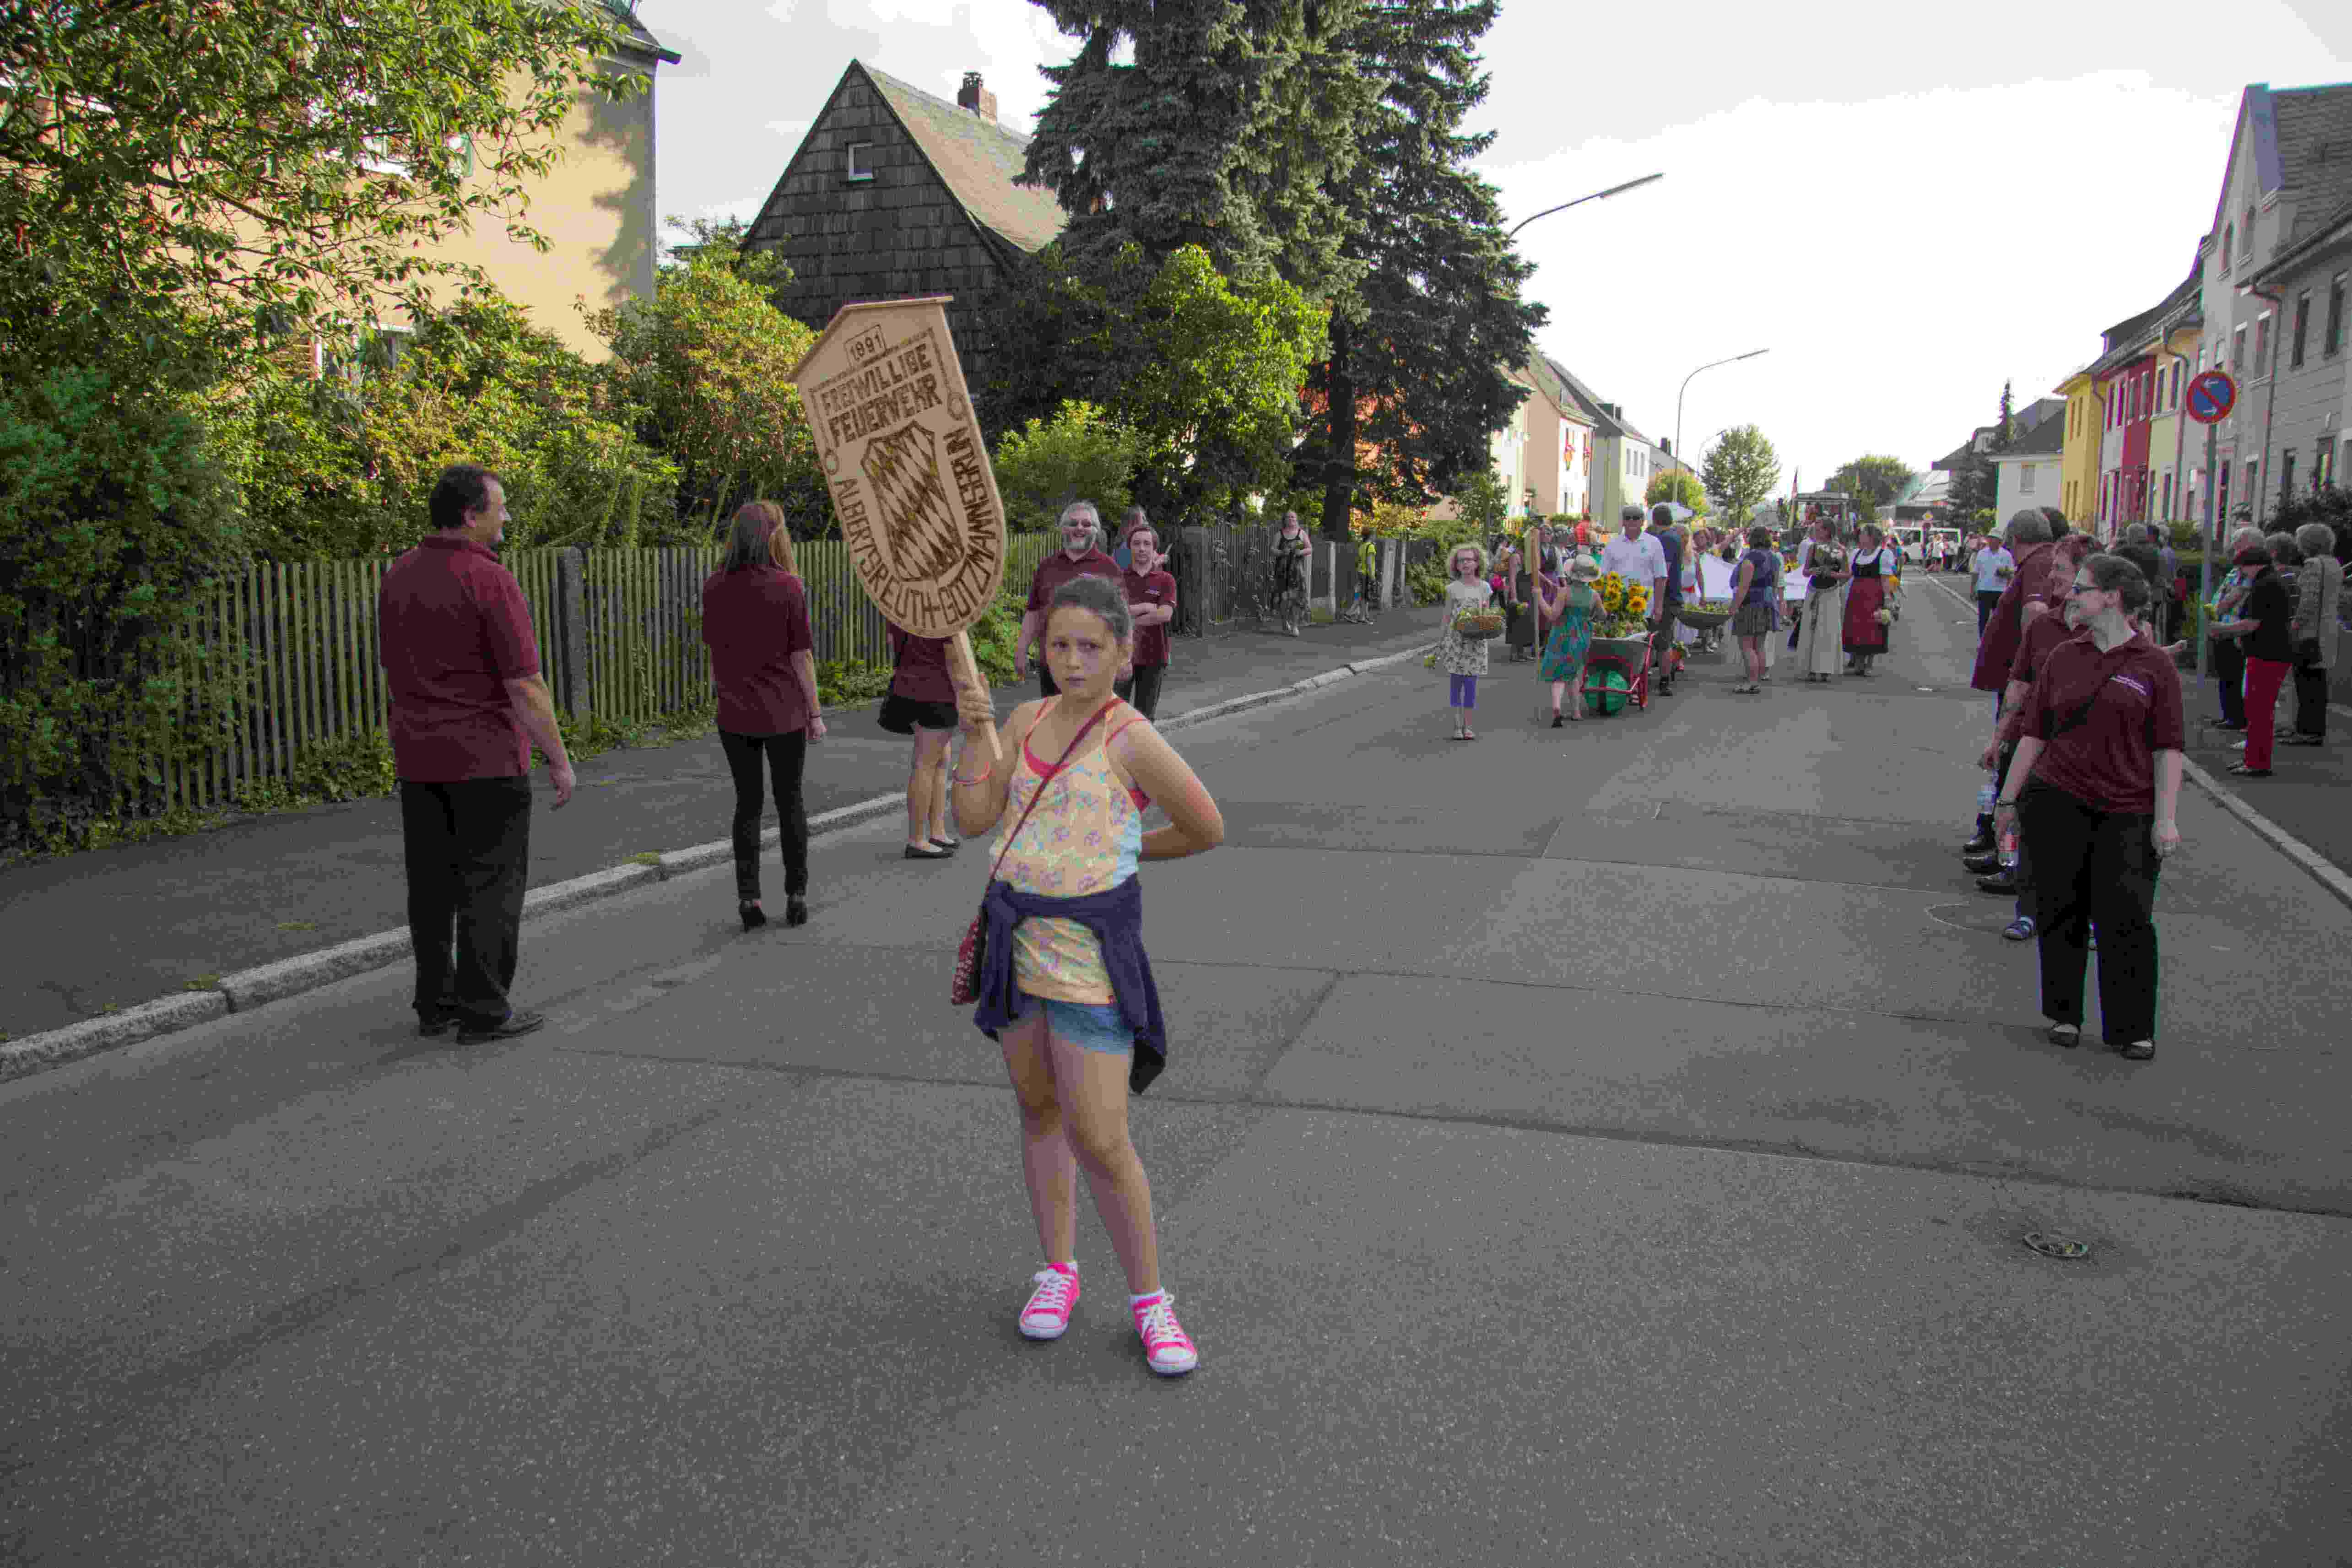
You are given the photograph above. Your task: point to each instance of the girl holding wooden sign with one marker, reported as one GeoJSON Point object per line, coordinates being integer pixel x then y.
{"type": "Point", "coordinates": [1066, 988]}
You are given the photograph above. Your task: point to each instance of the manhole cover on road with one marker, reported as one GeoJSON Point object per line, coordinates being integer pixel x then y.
{"type": "Point", "coordinates": [2058, 1247]}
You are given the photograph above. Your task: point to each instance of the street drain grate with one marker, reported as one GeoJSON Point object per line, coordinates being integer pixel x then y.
{"type": "Point", "coordinates": [2058, 1247]}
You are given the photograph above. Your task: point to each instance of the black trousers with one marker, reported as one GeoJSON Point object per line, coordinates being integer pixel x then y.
{"type": "Point", "coordinates": [1985, 602]}
{"type": "Point", "coordinates": [1142, 689]}
{"type": "Point", "coordinates": [2092, 868]}
{"type": "Point", "coordinates": [2230, 669]}
{"type": "Point", "coordinates": [785, 755]}
{"type": "Point", "coordinates": [2311, 701]}
{"type": "Point", "coordinates": [467, 848]}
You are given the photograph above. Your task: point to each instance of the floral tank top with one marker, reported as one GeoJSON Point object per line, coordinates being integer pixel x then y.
{"type": "Point", "coordinates": [1085, 837]}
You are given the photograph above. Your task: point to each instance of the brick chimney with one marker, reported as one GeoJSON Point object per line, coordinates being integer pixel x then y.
{"type": "Point", "coordinates": [976, 98]}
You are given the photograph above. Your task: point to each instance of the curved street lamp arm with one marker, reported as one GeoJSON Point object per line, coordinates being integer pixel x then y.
{"type": "Point", "coordinates": [1597, 196]}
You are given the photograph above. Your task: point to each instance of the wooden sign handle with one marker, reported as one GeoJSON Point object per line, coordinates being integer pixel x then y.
{"type": "Point", "coordinates": [964, 671]}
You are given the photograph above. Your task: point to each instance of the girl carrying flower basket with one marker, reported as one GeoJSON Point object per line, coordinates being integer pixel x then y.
{"type": "Point", "coordinates": [1462, 646]}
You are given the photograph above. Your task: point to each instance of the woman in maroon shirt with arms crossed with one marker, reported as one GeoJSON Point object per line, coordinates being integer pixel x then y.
{"type": "Point", "coordinates": [2099, 771]}
{"type": "Point", "coordinates": [763, 666]}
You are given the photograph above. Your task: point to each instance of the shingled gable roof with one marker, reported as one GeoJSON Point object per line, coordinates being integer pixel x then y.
{"type": "Point", "coordinates": [2315, 149]}
{"type": "Point", "coordinates": [2045, 439]}
{"type": "Point", "coordinates": [1603, 422]}
{"type": "Point", "coordinates": [646, 43]}
{"type": "Point", "coordinates": [978, 159]}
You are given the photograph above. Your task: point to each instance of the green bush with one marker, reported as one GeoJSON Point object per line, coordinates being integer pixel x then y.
{"type": "Point", "coordinates": [1080, 454]}
{"type": "Point", "coordinates": [113, 520]}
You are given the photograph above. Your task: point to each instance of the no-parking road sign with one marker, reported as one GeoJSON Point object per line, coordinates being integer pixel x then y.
{"type": "Point", "coordinates": [2211, 396]}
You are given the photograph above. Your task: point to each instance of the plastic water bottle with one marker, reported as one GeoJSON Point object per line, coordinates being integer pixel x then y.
{"type": "Point", "coordinates": [1985, 797]}
{"type": "Point", "coordinates": [2008, 850]}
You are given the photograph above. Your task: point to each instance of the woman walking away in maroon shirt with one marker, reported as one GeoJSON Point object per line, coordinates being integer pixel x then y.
{"type": "Point", "coordinates": [922, 703]}
{"type": "Point", "coordinates": [763, 666]}
{"type": "Point", "coordinates": [2099, 771]}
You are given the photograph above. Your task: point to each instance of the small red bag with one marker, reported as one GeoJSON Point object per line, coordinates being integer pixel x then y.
{"type": "Point", "coordinates": [971, 954]}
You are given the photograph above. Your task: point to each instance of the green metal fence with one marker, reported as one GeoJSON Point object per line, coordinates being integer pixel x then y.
{"type": "Point", "coordinates": [619, 633]}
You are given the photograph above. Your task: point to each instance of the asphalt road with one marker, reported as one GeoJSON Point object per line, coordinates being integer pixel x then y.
{"type": "Point", "coordinates": [1610, 1146]}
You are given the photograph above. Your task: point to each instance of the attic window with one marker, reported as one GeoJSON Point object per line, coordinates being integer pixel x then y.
{"type": "Point", "coordinates": [861, 160]}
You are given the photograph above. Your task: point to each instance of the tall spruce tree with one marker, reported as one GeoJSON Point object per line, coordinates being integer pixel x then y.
{"type": "Point", "coordinates": [1226, 128]}
{"type": "Point", "coordinates": [1422, 352]}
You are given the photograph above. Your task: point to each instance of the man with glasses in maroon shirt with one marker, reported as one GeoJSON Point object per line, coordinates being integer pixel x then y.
{"type": "Point", "coordinates": [1081, 555]}
{"type": "Point", "coordinates": [455, 638]}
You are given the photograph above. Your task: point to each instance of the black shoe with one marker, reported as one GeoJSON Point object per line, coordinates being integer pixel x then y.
{"type": "Point", "coordinates": [2003, 885]}
{"type": "Point", "coordinates": [2225, 725]}
{"type": "Point", "coordinates": [2018, 930]}
{"type": "Point", "coordinates": [1557, 721]}
{"type": "Point", "coordinates": [1982, 844]}
{"type": "Point", "coordinates": [929, 851]}
{"type": "Point", "coordinates": [2068, 1036]}
{"type": "Point", "coordinates": [2138, 1051]}
{"type": "Point", "coordinates": [516, 1024]}
{"type": "Point", "coordinates": [752, 916]}
{"type": "Point", "coordinates": [432, 1025]}
{"type": "Point", "coordinates": [2244, 772]}
{"type": "Point", "coordinates": [1985, 864]}
{"type": "Point", "coordinates": [795, 911]}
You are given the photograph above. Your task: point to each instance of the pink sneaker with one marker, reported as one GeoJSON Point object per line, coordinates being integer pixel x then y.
{"type": "Point", "coordinates": [1047, 1315]}
{"type": "Point", "coordinates": [1167, 1348]}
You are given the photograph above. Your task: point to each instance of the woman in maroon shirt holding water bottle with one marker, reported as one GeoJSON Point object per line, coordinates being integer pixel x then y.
{"type": "Point", "coordinates": [2099, 769]}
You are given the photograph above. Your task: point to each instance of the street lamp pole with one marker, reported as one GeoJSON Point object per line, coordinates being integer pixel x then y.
{"type": "Point", "coordinates": [1734, 359]}
{"type": "Point", "coordinates": [1597, 196]}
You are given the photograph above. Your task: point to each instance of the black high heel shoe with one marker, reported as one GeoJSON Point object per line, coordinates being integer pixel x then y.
{"type": "Point", "coordinates": [752, 916]}
{"type": "Point", "coordinates": [795, 911]}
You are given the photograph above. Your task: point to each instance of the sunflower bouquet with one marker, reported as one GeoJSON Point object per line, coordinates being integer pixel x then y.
{"type": "Point", "coordinates": [1624, 608]}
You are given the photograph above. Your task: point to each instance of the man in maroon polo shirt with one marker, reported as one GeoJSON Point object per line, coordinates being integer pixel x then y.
{"type": "Point", "coordinates": [455, 638]}
{"type": "Point", "coordinates": [1081, 555]}
{"type": "Point", "coordinates": [1151, 598]}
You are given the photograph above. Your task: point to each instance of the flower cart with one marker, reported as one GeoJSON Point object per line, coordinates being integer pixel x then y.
{"type": "Point", "coordinates": [1616, 672]}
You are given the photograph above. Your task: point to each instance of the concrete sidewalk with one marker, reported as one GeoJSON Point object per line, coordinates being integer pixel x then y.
{"type": "Point", "coordinates": [89, 935]}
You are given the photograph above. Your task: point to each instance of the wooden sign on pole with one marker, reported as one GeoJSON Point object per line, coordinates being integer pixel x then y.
{"type": "Point", "coordinates": [909, 472]}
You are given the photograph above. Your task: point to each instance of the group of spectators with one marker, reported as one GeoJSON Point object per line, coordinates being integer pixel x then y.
{"type": "Point", "coordinates": [2079, 649]}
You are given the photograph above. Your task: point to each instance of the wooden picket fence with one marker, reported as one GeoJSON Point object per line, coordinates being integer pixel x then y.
{"type": "Point", "coordinates": [619, 633]}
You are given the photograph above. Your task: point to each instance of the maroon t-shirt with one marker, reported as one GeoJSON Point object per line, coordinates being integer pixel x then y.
{"type": "Point", "coordinates": [922, 668]}
{"type": "Point", "coordinates": [2034, 649]}
{"type": "Point", "coordinates": [452, 628]}
{"type": "Point", "coordinates": [1058, 568]}
{"type": "Point", "coordinates": [1150, 588]}
{"type": "Point", "coordinates": [2102, 717]}
{"type": "Point", "coordinates": [2040, 577]}
{"type": "Point", "coordinates": [755, 619]}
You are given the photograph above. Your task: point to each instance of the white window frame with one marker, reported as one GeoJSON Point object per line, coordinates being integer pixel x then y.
{"type": "Point", "coordinates": [855, 168]}
{"type": "Point", "coordinates": [2026, 478]}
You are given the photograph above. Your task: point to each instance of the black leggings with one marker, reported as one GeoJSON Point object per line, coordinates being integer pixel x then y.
{"type": "Point", "coordinates": [2311, 701]}
{"type": "Point", "coordinates": [785, 755]}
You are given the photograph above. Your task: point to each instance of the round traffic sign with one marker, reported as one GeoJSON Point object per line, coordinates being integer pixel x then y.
{"type": "Point", "coordinates": [2211, 396]}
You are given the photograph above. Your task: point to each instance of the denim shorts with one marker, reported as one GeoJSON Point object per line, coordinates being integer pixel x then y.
{"type": "Point", "coordinates": [1089, 1026]}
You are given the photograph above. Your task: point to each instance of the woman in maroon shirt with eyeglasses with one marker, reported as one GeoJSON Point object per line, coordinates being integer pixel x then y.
{"type": "Point", "coordinates": [763, 666]}
{"type": "Point", "coordinates": [2099, 769]}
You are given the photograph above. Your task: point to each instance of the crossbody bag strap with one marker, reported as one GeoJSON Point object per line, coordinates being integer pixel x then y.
{"type": "Point", "coordinates": [1066, 752]}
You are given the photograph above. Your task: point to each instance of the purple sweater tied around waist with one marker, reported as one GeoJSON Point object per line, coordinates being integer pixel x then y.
{"type": "Point", "coordinates": [1116, 918]}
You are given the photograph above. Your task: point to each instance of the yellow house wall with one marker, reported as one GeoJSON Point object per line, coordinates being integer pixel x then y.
{"type": "Point", "coordinates": [597, 209]}
{"type": "Point", "coordinates": [2078, 471]}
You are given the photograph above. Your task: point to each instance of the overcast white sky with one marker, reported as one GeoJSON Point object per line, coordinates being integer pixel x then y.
{"type": "Point", "coordinates": [1906, 204]}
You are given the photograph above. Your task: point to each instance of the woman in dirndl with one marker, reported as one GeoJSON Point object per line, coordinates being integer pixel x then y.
{"type": "Point", "coordinates": [1868, 613]}
{"type": "Point", "coordinates": [1821, 627]}
{"type": "Point", "coordinates": [1570, 609]}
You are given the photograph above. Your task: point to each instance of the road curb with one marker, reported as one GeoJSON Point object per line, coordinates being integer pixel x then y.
{"type": "Point", "coordinates": [285, 977]}
{"type": "Point", "coordinates": [55, 1047]}
{"type": "Point", "coordinates": [2310, 860]}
